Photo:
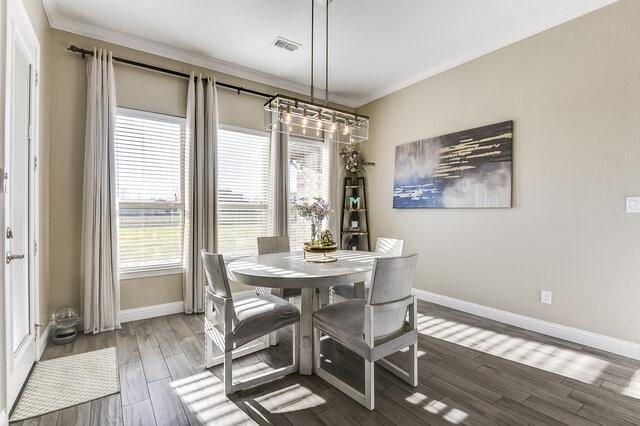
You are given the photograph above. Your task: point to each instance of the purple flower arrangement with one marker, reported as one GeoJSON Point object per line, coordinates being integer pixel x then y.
{"type": "Point", "coordinates": [315, 213]}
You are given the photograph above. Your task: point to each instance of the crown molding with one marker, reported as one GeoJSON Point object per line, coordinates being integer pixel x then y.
{"type": "Point", "coordinates": [566, 15]}
{"type": "Point", "coordinates": [60, 23]}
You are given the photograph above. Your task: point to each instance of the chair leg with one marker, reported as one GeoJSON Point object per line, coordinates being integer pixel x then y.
{"type": "Point", "coordinates": [228, 373]}
{"type": "Point", "coordinates": [208, 350]}
{"type": "Point", "coordinates": [413, 364]}
{"type": "Point", "coordinates": [273, 338]}
{"type": "Point", "coordinates": [296, 345]}
{"type": "Point", "coordinates": [317, 337]}
{"type": "Point", "coordinates": [369, 384]}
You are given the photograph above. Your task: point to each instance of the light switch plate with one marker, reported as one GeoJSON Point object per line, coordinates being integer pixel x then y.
{"type": "Point", "coordinates": [633, 204]}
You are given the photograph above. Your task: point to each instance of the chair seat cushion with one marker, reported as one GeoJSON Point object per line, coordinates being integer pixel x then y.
{"type": "Point", "coordinates": [258, 315]}
{"type": "Point", "coordinates": [345, 322]}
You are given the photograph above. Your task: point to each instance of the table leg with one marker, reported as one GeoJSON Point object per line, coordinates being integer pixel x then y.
{"type": "Point", "coordinates": [359, 290]}
{"type": "Point", "coordinates": [306, 331]}
{"type": "Point", "coordinates": [324, 297]}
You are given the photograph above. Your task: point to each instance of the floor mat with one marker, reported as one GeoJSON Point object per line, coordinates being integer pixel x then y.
{"type": "Point", "coordinates": [64, 382]}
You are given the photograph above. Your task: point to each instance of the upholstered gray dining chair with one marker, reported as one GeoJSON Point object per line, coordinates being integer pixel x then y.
{"type": "Point", "coordinates": [375, 328]}
{"type": "Point", "coordinates": [241, 320]}
{"type": "Point", "coordinates": [268, 245]}
{"type": "Point", "coordinates": [385, 247]}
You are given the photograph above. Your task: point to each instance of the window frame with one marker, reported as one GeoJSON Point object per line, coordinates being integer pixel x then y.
{"type": "Point", "coordinates": [170, 268]}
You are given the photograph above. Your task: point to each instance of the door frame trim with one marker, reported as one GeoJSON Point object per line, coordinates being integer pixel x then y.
{"type": "Point", "coordinates": [18, 24]}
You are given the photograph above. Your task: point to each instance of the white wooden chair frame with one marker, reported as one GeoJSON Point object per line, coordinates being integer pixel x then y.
{"type": "Point", "coordinates": [383, 350]}
{"type": "Point", "coordinates": [227, 323]}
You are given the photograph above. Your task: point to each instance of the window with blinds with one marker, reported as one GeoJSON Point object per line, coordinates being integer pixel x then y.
{"type": "Point", "coordinates": [149, 160]}
{"type": "Point", "coordinates": [307, 176]}
{"type": "Point", "coordinates": [243, 190]}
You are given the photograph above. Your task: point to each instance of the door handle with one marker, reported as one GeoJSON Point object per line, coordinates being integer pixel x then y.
{"type": "Point", "coordinates": [11, 257]}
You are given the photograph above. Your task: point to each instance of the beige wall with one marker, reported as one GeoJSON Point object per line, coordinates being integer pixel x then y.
{"type": "Point", "coordinates": [136, 88]}
{"type": "Point", "coordinates": [40, 24]}
{"type": "Point", "coordinates": [574, 95]}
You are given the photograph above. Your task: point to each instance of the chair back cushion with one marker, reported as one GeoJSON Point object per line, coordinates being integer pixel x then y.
{"type": "Point", "coordinates": [268, 245]}
{"type": "Point", "coordinates": [216, 273]}
{"type": "Point", "coordinates": [389, 247]}
{"type": "Point", "coordinates": [391, 280]}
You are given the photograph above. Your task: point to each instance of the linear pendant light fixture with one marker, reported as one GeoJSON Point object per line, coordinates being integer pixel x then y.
{"type": "Point", "coordinates": [312, 120]}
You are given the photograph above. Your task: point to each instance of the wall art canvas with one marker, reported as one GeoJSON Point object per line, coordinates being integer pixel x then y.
{"type": "Point", "coordinates": [468, 169]}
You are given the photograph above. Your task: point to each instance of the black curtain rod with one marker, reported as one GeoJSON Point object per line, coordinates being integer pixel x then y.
{"type": "Point", "coordinates": [239, 89]}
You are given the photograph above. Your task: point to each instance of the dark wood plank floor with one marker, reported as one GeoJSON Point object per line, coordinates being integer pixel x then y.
{"type": "Point", "coordinates": [472, 371]}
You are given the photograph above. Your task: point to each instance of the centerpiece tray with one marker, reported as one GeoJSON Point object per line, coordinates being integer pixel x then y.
{"type": "Point", "coordinates": [319, 253]}
{"type": "Point", "coordinates": [312, 247]}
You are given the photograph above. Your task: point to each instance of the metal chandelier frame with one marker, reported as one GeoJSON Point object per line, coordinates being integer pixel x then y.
{"type": "Point", "coordinates": [308, 119]}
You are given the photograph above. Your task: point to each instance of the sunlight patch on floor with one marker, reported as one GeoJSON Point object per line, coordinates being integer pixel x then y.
{"type": "Point", "coordinates": [545, 356]}
{"type": "Point", "coordinates": [203, 396]}
{"type": "Point", "coordinates": [633, 388]}
{"type": "Point", "coordinates": [291, 398]}
{"type": "Point", "coordinates": [451, 415]}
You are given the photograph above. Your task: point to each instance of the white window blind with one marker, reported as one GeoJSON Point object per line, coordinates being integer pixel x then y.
{"type": "Point", "coordinates": [307, 176]}
{"type": "Point", "coordinates": [149, 159]}
{"type": "Point", "coordinates": [243, 190]}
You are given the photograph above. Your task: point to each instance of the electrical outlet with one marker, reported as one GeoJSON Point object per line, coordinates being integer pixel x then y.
{"type": "Point", "coordinates": [545, 297]}
{"type": "Point", "coordinates": [633, 204]}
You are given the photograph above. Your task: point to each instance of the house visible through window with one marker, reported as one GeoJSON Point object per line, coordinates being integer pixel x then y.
{"type": "Point", "coordinates": [149, 159]}
{"type": "Point", "coordinates": [243, 190]}
{"type": "Point", "coordinates": [307, 179]}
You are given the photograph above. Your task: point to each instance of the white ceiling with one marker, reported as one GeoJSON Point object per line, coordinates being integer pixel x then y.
{"type": "Point", "coordinates": [375, 46]}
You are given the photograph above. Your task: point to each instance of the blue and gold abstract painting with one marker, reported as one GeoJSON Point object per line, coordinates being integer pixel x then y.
{"type": "Point", "coordinates": [468, 169]}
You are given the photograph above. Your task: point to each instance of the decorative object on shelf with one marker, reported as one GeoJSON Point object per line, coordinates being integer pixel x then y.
{"type": "Point", "coordinates": [354, 202]}
{"type": "Point", "coordinates": [355, 221]}
{"type": "Point", "coordinates": [315, 213]}
{"type": "Point", "coordinates": [66, 322]}
{"type": "Point", "coordinates": [355, 242]}
{"type": "Point", "coordinates": [354, 161]}
{"type": "Point", "coordinates": [468, 169]}
{"type": "Point", "coordinates": [306, 119]}
{"type": "Point", "coordinates": [355, 226]}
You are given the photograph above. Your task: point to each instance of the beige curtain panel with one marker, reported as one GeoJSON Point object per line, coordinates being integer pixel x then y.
{"type": "Point", "coordinates": [99, 257]}
{"type": "Point", "coordinates": [200, 187]}
{"type": "Point", "coordinates": [335, 187]}
{"type": "Point", "coordinates": [279, 181]}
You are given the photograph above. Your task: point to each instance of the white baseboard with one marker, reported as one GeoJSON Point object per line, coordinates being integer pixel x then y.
{"type": "Point", "coordinates": [135, 314]}
{"type": "Point", "coordinates": [145, 312]}
{"type": "Point", "coordinates": [41, 342]}
{"type": "Point", "coordinates": [582, 337]}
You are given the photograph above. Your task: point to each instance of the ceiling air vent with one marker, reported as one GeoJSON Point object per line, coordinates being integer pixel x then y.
{"type": "Point", "coordinates": [289, 45]}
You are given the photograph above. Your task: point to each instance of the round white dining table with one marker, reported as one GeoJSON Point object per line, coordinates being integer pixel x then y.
{"type": "Point", "coordinates": [290, 270]}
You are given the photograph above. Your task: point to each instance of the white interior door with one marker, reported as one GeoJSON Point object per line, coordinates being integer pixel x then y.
{"type": "Point", "coordinates": [20, 213]}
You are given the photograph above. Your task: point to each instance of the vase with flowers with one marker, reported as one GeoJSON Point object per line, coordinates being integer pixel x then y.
{"type": "Point", "coordinates": [315, 212]}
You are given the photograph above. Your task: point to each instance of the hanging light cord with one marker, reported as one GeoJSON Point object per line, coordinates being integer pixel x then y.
{"type": "Point", "coordinates": [312, 20]}
{"type": "Point", "coordinates": [326, 57]}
